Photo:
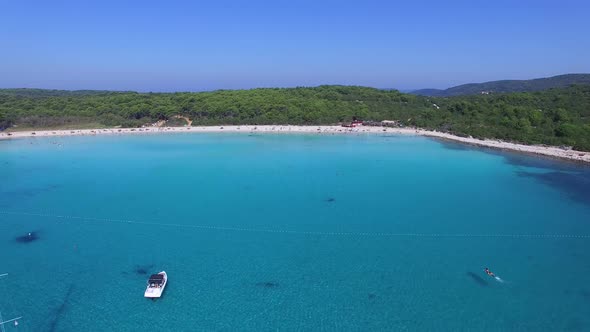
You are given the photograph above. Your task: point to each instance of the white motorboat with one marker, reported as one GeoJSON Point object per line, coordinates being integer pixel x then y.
{"type": "Point", "coordinates": [156, 285]}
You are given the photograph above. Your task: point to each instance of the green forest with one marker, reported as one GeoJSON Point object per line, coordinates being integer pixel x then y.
{"type": "Point", "coordinates": [558, 117]}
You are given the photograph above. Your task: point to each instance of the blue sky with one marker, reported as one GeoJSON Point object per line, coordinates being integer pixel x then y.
{"type": "Point", "coordinates": [207, 45]}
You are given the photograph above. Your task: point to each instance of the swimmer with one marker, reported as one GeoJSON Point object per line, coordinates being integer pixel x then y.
{"type": "Point", "coordinates": [490, 273]}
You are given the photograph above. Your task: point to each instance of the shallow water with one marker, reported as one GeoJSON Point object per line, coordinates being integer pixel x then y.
{"type": "Point", "coordinates": [290, 232]}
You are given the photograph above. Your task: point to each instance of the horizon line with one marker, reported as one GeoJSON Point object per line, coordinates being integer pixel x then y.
{"type": "Point", "coordinates": [283, 87]}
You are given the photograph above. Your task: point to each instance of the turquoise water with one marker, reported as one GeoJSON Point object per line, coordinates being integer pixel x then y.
{"type": "Point", "coordinates": [287, 232]}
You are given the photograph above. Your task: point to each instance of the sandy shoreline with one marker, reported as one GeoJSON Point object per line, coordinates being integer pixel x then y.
{"type": "Point", "coordinates": [320, 130]}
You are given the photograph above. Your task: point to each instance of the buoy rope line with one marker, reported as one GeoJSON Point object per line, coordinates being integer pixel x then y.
{"type": "Point", "coordinates": [283, 231]}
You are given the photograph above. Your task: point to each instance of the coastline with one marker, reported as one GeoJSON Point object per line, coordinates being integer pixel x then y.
{"type": "Point", "coordinates": [548, 151]}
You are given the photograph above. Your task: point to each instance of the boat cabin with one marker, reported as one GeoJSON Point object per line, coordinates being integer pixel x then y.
{"type": "Point", "coordinates": [156, 280]}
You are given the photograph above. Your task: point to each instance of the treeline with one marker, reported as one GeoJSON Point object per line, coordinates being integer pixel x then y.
{"type": "Point", "coordinates": [554, 117]}
{"type": "Point", "coordinates": [320, 105]}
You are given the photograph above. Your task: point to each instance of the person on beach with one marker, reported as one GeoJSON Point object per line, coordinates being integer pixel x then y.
{"type": "Point", "coordinates": [490, 273]}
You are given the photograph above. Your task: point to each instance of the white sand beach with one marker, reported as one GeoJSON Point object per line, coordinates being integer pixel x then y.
{"type": "Point", "coordinates": [550, 151]}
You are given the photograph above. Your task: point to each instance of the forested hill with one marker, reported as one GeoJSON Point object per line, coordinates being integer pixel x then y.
{"type": "Point", "coordinates": [554, 117]}
{"type": "Point", "coordinates": [506, 86]}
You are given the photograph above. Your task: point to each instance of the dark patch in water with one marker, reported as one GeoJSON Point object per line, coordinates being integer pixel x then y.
{"type": "Point", "coordinates": [268, 284]}
{"type": "Point", "coordinates": [520, 159]}
{"type": "Point", "coordinates": [371, 296]}
{"type": "Point", "coordinates": [585, 294]}
{"type": "Point", "coordinates": [479, 280]}
{"type": "Point", "coordinates": [143, 269]}
{"type": "Point", "coordinates": [456, 146]}
{"type": "Point", "coordinates": [20, 193]}
{"type": "Point", "coordinates": [575, 325]}
{"type": "Point", "coordinates": [31, 192]}
{"type": "Point", "coordinates": [330, 199]}
{"type": "Point", "coordinates": [28, 238]}
{"type": "Point", "coordinates": [575, 185]}
{"type": "Point", "coordinates": [61, 309]}
{"type": "Point", "coordinates": [516, 159]}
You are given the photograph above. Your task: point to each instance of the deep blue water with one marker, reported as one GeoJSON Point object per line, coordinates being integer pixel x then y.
{"type": "Point", "coordinates": [288, 232]}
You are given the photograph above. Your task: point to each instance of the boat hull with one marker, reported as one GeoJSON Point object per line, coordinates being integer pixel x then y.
{"type": "Point", "coordinates": [156, 292]}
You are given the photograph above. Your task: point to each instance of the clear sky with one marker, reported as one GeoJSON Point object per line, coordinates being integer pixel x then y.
{"type": "Point", "coordinates": [206, 45]}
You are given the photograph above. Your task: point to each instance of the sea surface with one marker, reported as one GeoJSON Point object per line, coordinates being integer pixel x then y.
{"type": "Point", "coordinates": [291, 233]}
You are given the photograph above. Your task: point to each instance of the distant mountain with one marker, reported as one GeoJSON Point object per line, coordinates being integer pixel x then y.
{"type": "Point", "coordinates": [506, 86]}
{"type": "Point", "coordinates": [33, 93]}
